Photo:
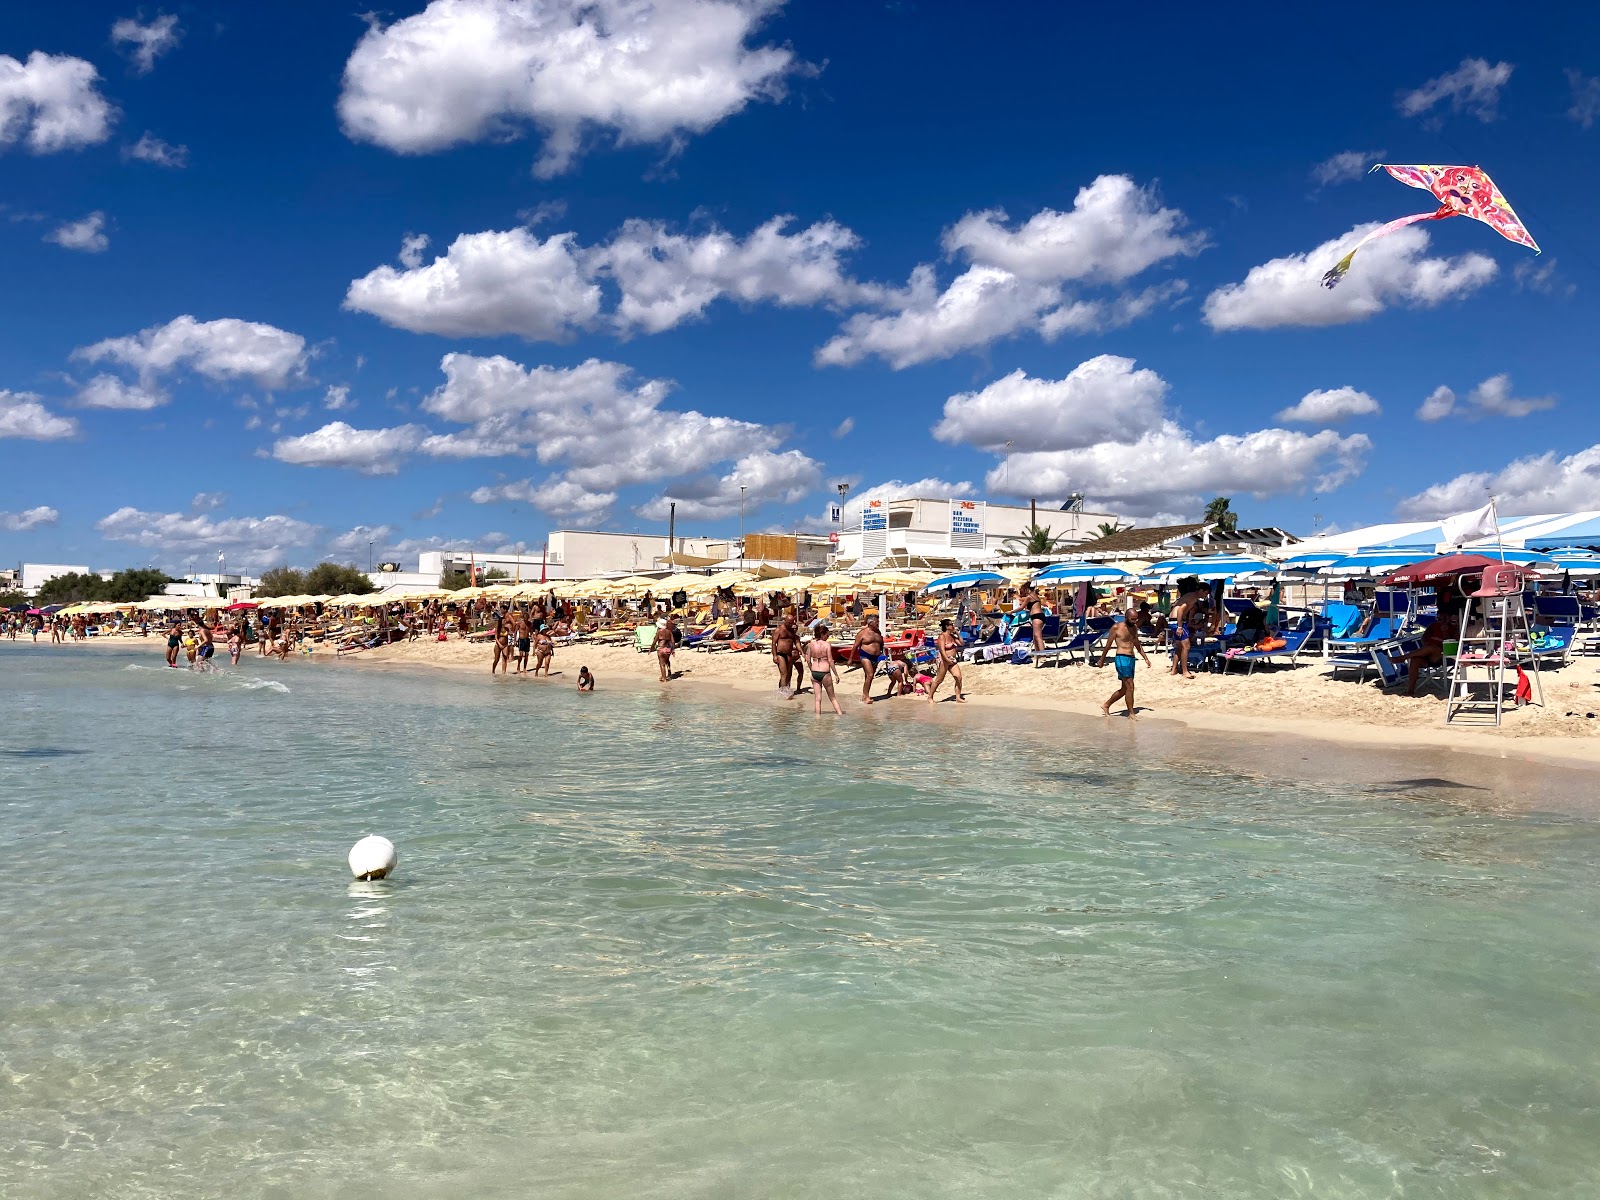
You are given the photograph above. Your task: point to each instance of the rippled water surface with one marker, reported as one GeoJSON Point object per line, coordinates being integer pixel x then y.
{"type": "Point", "coordinates": [665, 946]}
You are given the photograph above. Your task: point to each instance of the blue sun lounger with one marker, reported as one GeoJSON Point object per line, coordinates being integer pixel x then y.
{"type": "Point", "coordinates": [1294, 641]}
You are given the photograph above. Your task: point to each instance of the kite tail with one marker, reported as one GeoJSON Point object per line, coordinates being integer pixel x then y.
{"type": "Point", "coordinates": [1331, 279]}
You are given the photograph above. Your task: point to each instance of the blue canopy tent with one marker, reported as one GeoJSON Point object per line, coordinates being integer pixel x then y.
{"type": "Point", "coordinates": [1584, 533]}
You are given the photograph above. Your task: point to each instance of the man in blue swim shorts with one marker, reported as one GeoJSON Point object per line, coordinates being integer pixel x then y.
{"type": "Point", "coordinates": [1124, 639]}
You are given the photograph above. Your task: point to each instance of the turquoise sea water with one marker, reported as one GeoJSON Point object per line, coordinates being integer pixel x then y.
{"type": "Point", "coordinates": [648, 944]}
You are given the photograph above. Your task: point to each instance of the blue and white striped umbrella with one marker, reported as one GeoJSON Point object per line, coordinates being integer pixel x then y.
{"type": "Point", "coordinates": [1217, 566]}
{"type": "Point", "coordinates": [1310, 562]}
{"type": "Point", "coordinates": [1067, 573]}
{"type": "Point", "coordinates": [1513, 554]}
{"type": "Point", "coordinates": [962, 580]}
{"type": "Point", "coordinates": [1378, 560]}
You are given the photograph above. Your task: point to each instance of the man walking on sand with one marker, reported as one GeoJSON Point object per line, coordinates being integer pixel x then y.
{"type": "Point", "coordinates": [1124, 639]}
{"type": "Point", "coordinates": [869, 653]}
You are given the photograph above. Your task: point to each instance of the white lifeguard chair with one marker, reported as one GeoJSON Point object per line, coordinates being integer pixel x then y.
{"type": "Point", "coordinates": [1499, 640]}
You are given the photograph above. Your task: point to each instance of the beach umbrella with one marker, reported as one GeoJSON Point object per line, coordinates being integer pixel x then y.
{"type": "Point", "coordinates": [1377, 560]}
{"type": "Point", "coordinates": [1515, 554]}
{"type": "Point", "coordinates": [240, 605]}
{"type": "Point", "coordinates": [1575, 560]}
{"type": "Point", "coordinates": [1443, 567]}
{"type": "Point", "coordinates": [1311, 561]}
{"type": "Point", "coordinates": [1216, 566]}
{"type": "Point", "coordinates": [960, 581]}
{"type": "Point", "coordinates": [1066, 574]}
{"type": "Point", "coordinates": [1016, 575]}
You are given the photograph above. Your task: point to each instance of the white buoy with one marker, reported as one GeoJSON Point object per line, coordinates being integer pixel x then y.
{"type": "Point", "coordinates": [373, 857]}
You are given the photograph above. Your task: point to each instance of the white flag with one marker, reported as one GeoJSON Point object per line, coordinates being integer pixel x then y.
{"type": "Point", "coordinates": [1464, 527]}
{"type": "Point", "coordinates": [220, 555]}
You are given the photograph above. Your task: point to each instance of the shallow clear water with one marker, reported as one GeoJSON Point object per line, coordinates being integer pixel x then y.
{"type": "Point", "coordinates": [667, 946]}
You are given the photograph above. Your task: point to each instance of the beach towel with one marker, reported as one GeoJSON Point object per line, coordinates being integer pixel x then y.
{"type": "Point", "coordinates": [1524, 693]}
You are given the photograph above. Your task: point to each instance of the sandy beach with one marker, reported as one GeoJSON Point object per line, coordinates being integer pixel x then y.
{"type": "Point", "coordinates": [1303, 701]}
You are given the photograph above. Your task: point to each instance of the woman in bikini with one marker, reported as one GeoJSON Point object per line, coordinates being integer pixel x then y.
{"type": "Point", "coordinates": [785, 647]}
{"type": "Point", "coordinates": [824, 671]}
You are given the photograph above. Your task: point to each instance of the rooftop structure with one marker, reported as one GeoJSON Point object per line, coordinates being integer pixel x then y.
{"type": "Point", "coordinates": [950, 533]}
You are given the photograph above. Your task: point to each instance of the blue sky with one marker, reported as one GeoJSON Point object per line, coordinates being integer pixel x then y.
{"type": "Point", "coordinates": [748, 244]}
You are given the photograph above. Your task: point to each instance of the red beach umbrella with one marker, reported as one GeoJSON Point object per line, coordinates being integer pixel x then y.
{"type": "Point", "coordinates": [1448, 564]}
{"type": "Point", "coordinates": [238, 604]}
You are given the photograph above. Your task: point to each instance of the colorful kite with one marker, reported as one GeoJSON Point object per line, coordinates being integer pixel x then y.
{"type": "Point", "coordinates": [1462, 192]}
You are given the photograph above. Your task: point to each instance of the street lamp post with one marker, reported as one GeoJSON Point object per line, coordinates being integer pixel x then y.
{"type": "Point", "coordinates": [742, 489]}
{"type": "Point", "coordinates": [369, 558]}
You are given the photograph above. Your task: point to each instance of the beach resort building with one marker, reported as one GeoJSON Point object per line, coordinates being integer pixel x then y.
{"type": "Point", "coordinates": [950, 532]}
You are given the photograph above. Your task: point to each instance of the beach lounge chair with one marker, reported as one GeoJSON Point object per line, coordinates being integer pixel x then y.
{"type": "Point", "coordinates": [644, 638]}
{"type": "Point", "coordinates": [1079, 644]}
{"type": "Point", "coordinates": [1294, 641]}
{"type": "Point", "coordinates": [1343, 620]}
{"type": "Point", "coordinates": [1384, 629]}
{"type": "Point", "coordinates": [1391, 671]}
{"type": "Point", "coordinates": [745, 641]}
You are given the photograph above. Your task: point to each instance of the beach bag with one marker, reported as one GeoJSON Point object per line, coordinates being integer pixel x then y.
{"type": "Point", "coordinates": [1022, 655]}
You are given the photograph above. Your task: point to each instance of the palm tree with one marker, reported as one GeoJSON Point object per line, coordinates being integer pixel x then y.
{"type": "Point", "coordinates": [1220, 513]}
{"type": "Point", "coordinates": [1106, 528]}
{"type": "Point", "coordinates": [1034, 541]}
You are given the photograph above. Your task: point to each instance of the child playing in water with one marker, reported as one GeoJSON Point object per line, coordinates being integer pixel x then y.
{"type": "Point", "coordinates": [585, 680]}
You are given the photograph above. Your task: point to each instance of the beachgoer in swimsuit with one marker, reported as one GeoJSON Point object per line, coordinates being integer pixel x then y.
{"type": "Point", "coordinates": [1028, 599]}
{"type": "Point", "coordinates": [869, 653]}
{"type": "Point", "coordinates": [824, 671]}
{"type": "Point", "coordinates": [502, 645]}
{"type": "Point", "coordinates": [666, 640]}
{"type": "Point", "coordinates": [544, 652]}
{"type": "Point", "coordinates": [948, 647]}
{"type": "Point", "coordinates": [1124, 639]}
{"type": "Point", "coordinates": [174, 640]}
{"type": "Point", "coordinates": [524, 644]}
{"type": "Point", "coordinates": [585, 680]}
{"type": "Point", "coordinates": [785, 653]}
{"type": "Point", "coordinates": [1184, 623]}
{"type": "Point", "coordinates": [235, 642]}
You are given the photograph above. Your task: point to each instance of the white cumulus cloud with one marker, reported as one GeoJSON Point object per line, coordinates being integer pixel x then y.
{"type": "Point", "coordinates": [87, 234]}
{"type": "Point", "coordinates": [151, 149]}
{"type": "Point", "coordinates": [1103, 399]}
{"type": "Point", "coordinates": [1016, 278]}
{"type": "Point", "coordinates": [666, 278]}
{"type": "Point", "coordinates": [1345, 166]}
{"type": "Point", "coordinates": [249, 542]}
{"type": "Point", "coordinates": [143, 42]}
{"type": "Point", "coordinates": [23, 416]}
{"type": "Point", "coordinates": [1491, 398]}
{"type": "Point", "coordinates": [51, 103]}
{"type": "Point", "coordinates": [223, 351]}
{"type": "Point", "coordinates": [557, 497]}
{"type": "Point", "coordinates": [765, 477]}
{"type": "Point", "coordinates": [1538, 483]}
{"type": "Point", "coordinates": [1393, 270]}
{"type": "Point", "coordinates": [500, 282]}
{"type": "Point", "coordinates": [486, 284]}
{"type": "Point", "coordinates": [110, 391]}
{"type": "Point", "coordinates": [1472, 88]}
{"type": "Point", "coordinates": [369, 451]}
{"type": "Point", "coordinates": [645, 71]}
{"type": "Point", "coordinates": [1330, 406]}
{"type": "Point", "coordinates": [28, 518]}
{"type": "Point", "coordinates": [1168, 470]}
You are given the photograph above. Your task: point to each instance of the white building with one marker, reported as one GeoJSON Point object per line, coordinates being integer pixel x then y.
{"type": "Point", "coordinates": [36, 575]}
{"type": "Point", "coordinates": [951, 533]}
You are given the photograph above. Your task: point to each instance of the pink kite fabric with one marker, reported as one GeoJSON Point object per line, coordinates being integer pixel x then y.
{"type": "Point", "coordinates": [1462, 192]}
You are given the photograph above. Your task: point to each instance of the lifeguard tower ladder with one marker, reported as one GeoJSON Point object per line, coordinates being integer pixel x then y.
{"type": "Point", "coordinates": [1502, 635]}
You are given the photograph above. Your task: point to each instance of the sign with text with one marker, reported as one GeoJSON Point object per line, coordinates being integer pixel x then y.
{"type": "Point", "coordinates": [874, 529]}
{"type": "Point", "coordinates": [966, 524]}
{"type": "Point", "coordinates": [836, 513]}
